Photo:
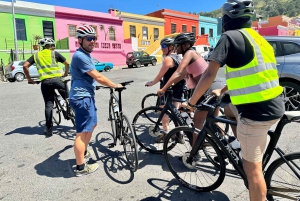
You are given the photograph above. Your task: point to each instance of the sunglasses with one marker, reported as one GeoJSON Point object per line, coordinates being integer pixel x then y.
{"type": "Point", "coordinates": [164, 46]}
{"type": "Point", "coordinates": [91, 38]}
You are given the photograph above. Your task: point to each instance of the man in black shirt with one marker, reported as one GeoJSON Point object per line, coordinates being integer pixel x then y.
{"type": "Point", "coordinates": [50, 75]}
{"type": "Point", "coordinates": [253, 85]}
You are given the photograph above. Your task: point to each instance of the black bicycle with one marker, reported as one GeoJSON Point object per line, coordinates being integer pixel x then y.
{"type": "Point", "coordinates": [190, 166]}
{"type": "Point", "coordinates": [121, 127]}
{"type": "Point", "coordinates": [62, 104]}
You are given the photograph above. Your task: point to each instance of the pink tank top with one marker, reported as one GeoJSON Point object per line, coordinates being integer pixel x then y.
{"type": "Point", "coordinates": [193, 70]}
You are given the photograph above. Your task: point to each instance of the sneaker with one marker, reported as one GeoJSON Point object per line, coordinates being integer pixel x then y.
{"type": "Point", "coordinates": [160, 139]}
{"type": "Point", "coordinates": [88, 154]}
{"type": "Point", "coordinates": [88, 168]}
{"type": "Point", "coordinates": [48, 131]}
{"type": "Point", "coordinates": [178, 138]}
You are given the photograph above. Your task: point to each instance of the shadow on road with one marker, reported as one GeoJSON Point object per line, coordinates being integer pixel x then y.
{"type": "Point", "coordinates": [115, 165]}
{"type": "Point", "coordinates": [66, 132]}
{"type": "Point", "coordinates": [172, 190]}
{"type": "Point", "coordinates": [55, 167]}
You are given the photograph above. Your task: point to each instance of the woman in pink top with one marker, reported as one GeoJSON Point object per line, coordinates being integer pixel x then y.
{"type": "Point", "coordinates": [191, 67]}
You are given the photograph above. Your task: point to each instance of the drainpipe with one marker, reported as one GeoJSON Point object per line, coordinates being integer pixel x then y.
{"type": "Point", "coordinates": [15, 30]}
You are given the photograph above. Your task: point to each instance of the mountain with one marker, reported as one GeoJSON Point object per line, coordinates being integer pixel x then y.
{"type": "Point", "coordinates": [267, 8]}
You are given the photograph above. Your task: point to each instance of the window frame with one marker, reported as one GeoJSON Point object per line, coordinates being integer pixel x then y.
{"type": "Point", "coordinates": [72, 25]}
{"type": "Point", "coordinates": [112, 34]}
{"type": "Point", "coordinates": [146, 35]}
{"type": "Point", "coordinates": [52, 34]}
{"type": "Point", "coordinates": [173, 24]}
{"type": "Point", "coordinates": [202, 30]}
{"type": "Point", "coordinates": [194, 30]}
{"type": "Point", "coordinates": [184, 31]}
{"type": "Point", "coordinates": [211, 32]}
{"type": "Point", "coordinates": [130, 32]}
{"type": "Point", "coordinates": [284, 50]}
{"type": "Point", "coordinates": [156, 37]}
{"type": "Point", "coordinates": [21, 36]}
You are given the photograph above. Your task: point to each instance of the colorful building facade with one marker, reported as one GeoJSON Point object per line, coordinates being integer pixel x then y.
{"type": "Point", "coordinates": [110, 46]}
{"type": "Point", "coordinates": [209, 26]}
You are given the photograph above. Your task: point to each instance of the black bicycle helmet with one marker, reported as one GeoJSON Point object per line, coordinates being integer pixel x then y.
{"type": "Point", "coordinates": [185, 38]}
{"type": "Point", "coordinates": [238, 8]}
{"type": "Point", "coordinates": [167, 41]}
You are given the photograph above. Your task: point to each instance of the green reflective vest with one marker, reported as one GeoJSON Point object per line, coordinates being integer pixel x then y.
{"type": "Point", "coordinates": [258, 80]}
{"type": "Point", "coordinates": [46, 64]}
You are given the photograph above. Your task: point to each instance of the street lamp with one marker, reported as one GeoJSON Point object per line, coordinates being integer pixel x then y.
{"type": "Point", "coordinates": [15, 29]}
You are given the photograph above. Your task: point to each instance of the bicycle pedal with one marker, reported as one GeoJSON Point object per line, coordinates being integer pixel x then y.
{"type": "Point", "coordinates": [111, 145]}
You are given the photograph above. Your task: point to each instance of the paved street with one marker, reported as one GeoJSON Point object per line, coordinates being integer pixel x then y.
{"type": "Point", "coordinates": [34, 167]}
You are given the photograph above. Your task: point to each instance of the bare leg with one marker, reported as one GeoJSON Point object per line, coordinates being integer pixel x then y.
{"type": "Point", "coordinates": [199, 119]}
{"type": "Point", "coordinates": [256, 181]}
{"type": "Point", "coordinates": [230, 115]}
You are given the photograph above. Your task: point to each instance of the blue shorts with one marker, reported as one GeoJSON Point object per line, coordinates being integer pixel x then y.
{"type": "Point", "coordinates": [85, 113]}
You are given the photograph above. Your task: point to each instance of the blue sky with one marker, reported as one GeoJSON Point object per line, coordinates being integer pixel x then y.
{"type": "Point", "coordinates": [138, 6]}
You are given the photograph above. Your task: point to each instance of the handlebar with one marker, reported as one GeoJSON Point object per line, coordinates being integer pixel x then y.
{"type": "Point", "coordinates": [122, 83]}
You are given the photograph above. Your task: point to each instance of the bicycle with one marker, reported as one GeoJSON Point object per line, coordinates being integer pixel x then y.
{"type": "Point", "coordinates": [282, 176]}
{"type": "Point", "coordinates": [147, 123]}
{"type": "Point", "coordinates": [121, 127]}
{"type": "Point", "coordinates": [65, 108]}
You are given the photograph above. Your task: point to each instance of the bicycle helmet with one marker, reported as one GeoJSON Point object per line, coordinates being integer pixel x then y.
{"type": "Point", "coordinates": [46, 41]}
{"type": "Point", "coordinates": [185, 38]}
{"type": "Point", "coordinates": [167, 41]}
{"type": "Point", "coordinates": [238, 8]}
{"type": "Point", "coordinates": [84, 31]}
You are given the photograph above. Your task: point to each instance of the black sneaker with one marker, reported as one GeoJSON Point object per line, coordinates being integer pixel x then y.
{"type": "Point", "coordinates": [48, 131]}
{"type": "Point", "coordinates": [178, 138]}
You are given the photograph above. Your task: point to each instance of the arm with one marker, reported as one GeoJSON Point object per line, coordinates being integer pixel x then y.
{"type": "Point", "coordinates": [60, 58]}
{"type": "Point", "coordinates": [205, 82]}
{"type": "Point", "coordinates": [66, 63]}
{"type": "Point", "coordinates": [102, 79]}
{"type": "Point", "coordinates": [26, 66]}
{"type": "Point", "coordinates": [168, 63]}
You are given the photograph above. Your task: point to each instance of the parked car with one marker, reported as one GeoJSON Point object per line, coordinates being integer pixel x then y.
{"type": "Point", "coordinates": [287, 52]}
{"type": "Point", "coordinates": [103, 66]}
{"type": "Point", "coordinates": [202, 49]}
{"type": "Point", "coordinates": [16, 73]}
{"type": "Point", "coordinates": [138, 58]}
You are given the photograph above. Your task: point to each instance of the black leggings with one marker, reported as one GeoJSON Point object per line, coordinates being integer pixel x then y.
{"type": "Point", "coordinates": [48, 86]}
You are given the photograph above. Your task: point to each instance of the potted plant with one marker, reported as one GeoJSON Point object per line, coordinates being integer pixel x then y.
{"type": "Point", "coordinates": [36, 39]}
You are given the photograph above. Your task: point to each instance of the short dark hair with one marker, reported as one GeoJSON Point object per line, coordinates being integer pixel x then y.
{"type": "Point", "coordinates": [236, 23]}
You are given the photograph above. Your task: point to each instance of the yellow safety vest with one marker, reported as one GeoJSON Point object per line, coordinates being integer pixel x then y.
{"type": "Point", "coordinates": [46, 64]}
{"type": "Point", "coordinates": [258, 80]}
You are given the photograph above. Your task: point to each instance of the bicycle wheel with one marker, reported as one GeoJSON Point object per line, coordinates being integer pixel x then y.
{"type": "Point", "coordinates": [129, 144]}
{"type": "Point", "coordinates": [56, 116]}
{"type": "Point", "coordinates": [199, 175]}
{"type": "Point", "coordinates": [72, 115]}
{"type": "Point", "coordinates": [143, 125]}
{"type": "Point", "coordinates": [113, 118]}
{"type": "Point", "coordinates": [281, 181]}
{"type": "Point", "coordinates": [150, 100]}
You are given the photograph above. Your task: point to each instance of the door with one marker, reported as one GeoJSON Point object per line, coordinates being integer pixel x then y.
{"type": "Point", "coordinates": [146, 58]}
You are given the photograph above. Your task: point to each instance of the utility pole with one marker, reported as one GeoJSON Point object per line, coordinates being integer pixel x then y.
{"type": "Point", "coordinates": [15, 30]}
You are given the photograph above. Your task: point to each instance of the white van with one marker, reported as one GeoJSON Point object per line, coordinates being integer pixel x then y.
{"type": "Point", "coordinates": [202, 49]}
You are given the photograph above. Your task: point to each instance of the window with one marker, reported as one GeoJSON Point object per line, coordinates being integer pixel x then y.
{"type": "Point", "coordinates": [173, 28]}
{"type": "Point", "coordinates": [112, 33]}
{"type": "Point", "coordinates": [48, 29]}
{"type": "Point", "coordinates": [21, 29]}
{"type": "Point", "coordinates": [211, 33]}
{"type": "Point", "coordinates": [145, 33]}
{"type": "Point", "coordinates": [194, 30]}
{"type": "Point", "coordinates": [156, 34]}
{"type": "Point", "coordinates": [183, 28]}
{"type": "Point", "coordinates": [72, 30]}
{"type": "Point", "coordinates": [95, 28]}
{"type": "Point", "coordinates": [202, 30]}
{"type": "Point", "coordinates": [277, 50]}
{"type": "Point", "coordinates": [290, 48]}
{"type": "Point", "coordinates": [132, 31]}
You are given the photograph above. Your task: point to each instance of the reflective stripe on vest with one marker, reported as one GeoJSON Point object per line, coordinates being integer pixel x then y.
{"type": "Point", "coordinates": [47, 65]}
{"type": "Point", "coordinates": [258, 80]}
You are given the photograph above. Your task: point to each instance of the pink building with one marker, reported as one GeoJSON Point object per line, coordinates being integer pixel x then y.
{"type": "Point", "coordinates": [110, 46]}
{"type": "Point", "coordinates": [273, 31]}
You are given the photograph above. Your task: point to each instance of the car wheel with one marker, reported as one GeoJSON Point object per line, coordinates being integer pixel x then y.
{"type": "Point", "coordinates": [107, 68]}
{"type": "Point", "coordinates": [19, 77]}
{"type": "Point", "coordinates": [138, 64]}
{"type": "Point", "coordinates": [11, 80]}
{"type": "Point", "coordinates": [153, 62]}
{"type": "Point", "coordinates": [145, 64]}
{"type": "Point", "coordinates": [291, 93]}
{"type": "Point", "coordinates": [130, 66]}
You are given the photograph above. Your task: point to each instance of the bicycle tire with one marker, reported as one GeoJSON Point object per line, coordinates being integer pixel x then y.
{"type": "Point", "coordinates": [278, 179]}
{"type": "Point", "coordinates": [129, 141]}
{"type": "Point", "coordinates": [56, 115]}
{"type": "Point", "coordinates": [72, 115]}
{"type": "Point", "coordinates": [150, 100]}
{"type": "Point", "coordinates": [142, 126]}
{"type": "Point", "coordinates": [113, 118]}
{"type": "Point", "coordinates": [201, 170]}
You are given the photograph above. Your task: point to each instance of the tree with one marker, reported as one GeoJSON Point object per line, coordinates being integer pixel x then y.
{"type": "Point", "coordinates": [102, 28]}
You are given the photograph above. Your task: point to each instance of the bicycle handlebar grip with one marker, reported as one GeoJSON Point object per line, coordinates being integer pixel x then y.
{"type": "Point", "coordinates": [126, 83]}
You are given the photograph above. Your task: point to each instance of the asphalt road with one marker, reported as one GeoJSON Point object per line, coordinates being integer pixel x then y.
{"type": "Point", "coordinates": [35, 167]}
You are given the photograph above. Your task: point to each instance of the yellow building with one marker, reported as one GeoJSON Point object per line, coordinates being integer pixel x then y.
{"type": "Point", "coordinates": [142, 30]}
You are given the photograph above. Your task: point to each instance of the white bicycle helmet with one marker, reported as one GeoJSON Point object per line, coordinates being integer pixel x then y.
{"type": "Point", "coordinates": [84, 31]}
{"type": "Point", "coordinates": [46, 41]}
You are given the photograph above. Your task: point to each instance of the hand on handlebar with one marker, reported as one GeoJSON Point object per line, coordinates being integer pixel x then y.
{"type": "Point", "coordinates": [30, 81]}
{"type": "Point", "coordinates": [119, 86]}
{"type": "Point", "coordinates": [160, 92]}
{"type": "Point", "coordinates": [185, 105]}
{"type": "Point", "coordinates": [217, 92]}
{"type": "Point", "coordinates": [148, 84]}
{"type": "Point", "coordinates": [65, 75]}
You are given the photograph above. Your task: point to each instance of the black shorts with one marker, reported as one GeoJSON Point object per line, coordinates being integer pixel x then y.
{"type": "Point", "coordinates": [177, 93]}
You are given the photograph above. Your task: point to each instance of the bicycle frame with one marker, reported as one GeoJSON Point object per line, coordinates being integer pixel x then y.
{"type": "Point", "coordinates": [119, 114]}
{"type": "Point", "coordinates": [66, 113]}
{"type": "Point", "coordinates": [209, 128]}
